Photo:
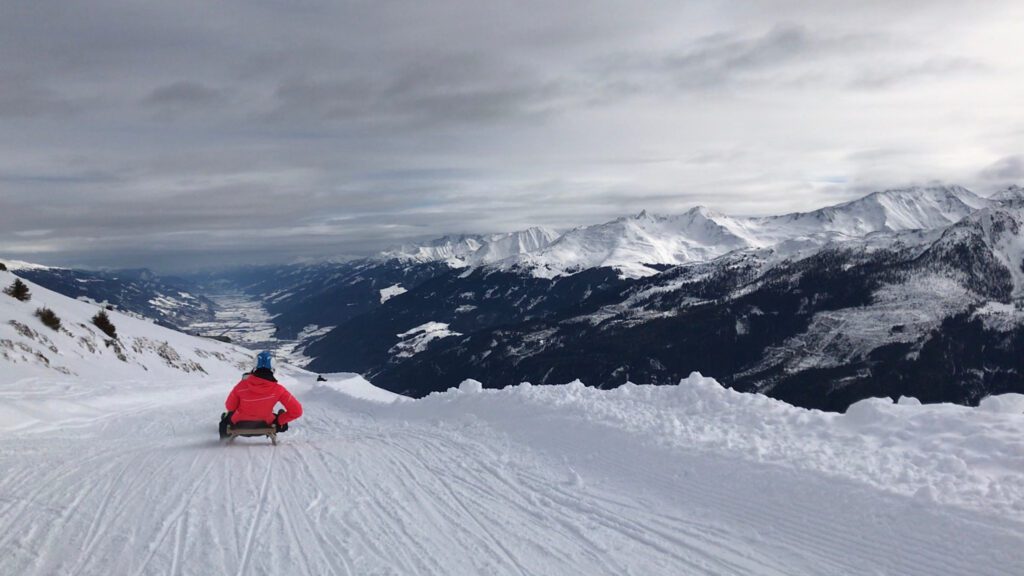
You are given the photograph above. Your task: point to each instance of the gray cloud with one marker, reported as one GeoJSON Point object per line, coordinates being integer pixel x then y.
{"type": "Point", "coordinates": [184, 95]}
{"type": "Point", "coordinates": [1006, 169]}
{"type": "Point", "coordinates": [722, 58]}
{"type": "Point", "coordinates": [182, 133]}
{"type": "Point", "coordinates": [25, 100]}
{"type": "Point", "coordinates": [933, 68]}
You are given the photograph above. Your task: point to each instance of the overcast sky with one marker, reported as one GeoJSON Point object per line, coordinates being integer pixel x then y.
{"type": "Point", "coordinates": [183, 133]}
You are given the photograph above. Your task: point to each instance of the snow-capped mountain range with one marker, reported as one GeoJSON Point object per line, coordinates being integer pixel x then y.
{"type": "Point", "coordinates": [644, 244]}
{"type": "Point", "coordinates": [876, 296]}
{"type": "Point", "coordinates": [884, 295]}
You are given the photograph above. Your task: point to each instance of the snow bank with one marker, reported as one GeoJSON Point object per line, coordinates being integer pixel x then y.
{"type": "Point", "coordinates": [952, 454]}
{"type": "Point", "coordinates": [356, 386]}
{"type": "Point", "coordinates": [1003, 404]}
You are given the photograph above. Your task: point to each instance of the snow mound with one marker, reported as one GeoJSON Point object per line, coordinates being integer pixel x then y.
{"type": "Point", "coordinates": [356, 386]}
{"type": "Point", "coordinates": [959, 455]}
{"type": "Point", "coordinates": [1003, 404]}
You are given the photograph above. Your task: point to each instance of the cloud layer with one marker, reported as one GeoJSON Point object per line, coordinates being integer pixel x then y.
{"type": "Point", "coordinates": [193, 133]}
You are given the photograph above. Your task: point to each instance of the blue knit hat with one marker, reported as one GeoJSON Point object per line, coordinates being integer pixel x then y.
{"type": "Point", "coordinates": [263, 360]}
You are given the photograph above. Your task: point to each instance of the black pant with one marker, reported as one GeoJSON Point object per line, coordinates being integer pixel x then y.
{"type": "Point", "coordinates": [225, 421]}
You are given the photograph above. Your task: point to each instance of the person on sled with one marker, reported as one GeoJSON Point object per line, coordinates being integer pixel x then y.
{"type": "Point", "coordinates": [251, 402]}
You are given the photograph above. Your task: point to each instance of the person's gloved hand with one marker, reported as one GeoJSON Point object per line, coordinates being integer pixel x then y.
{"type": "Point", "coordinates": [280, 427]}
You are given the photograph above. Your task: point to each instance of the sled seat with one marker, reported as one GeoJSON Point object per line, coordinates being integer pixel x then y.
{"type": "Point", "coordinates": [257, 428]}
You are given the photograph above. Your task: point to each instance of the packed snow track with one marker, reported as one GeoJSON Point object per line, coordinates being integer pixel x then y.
{"type": "Point", "coordinates": [361, 487]}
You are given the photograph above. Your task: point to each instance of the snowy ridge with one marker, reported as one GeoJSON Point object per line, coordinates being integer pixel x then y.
{"type": "Point", "coordinates": [630, 244]}
{"type": "Point", "coordinates": [887, 211]}
{"type": "Point", "coordinates": [454, 250]}
{"type": "Point", "coordinates": [499, 247]}
{"type": "Point", "coordinates": [471, 250]}
{"type": "Point", "coordinates": [1010, 194]}
{"type": "Point", "coordinates": [15, 265]}
{"type": "Point", "coordinates": [637, 246]}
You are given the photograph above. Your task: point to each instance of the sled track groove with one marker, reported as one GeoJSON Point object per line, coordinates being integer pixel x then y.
{"type": "Point", "coordinates": [181, 510]}
{"type": "Point", "coordinates": [454, 498]}
{"type": "Point", "coordinates": [243, 566]}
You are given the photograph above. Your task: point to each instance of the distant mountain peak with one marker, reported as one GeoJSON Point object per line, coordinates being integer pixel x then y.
{"type": "Point", "coordinates": [639, 245]}
{"type": "Point", "coordinates": [1012, 193]}
{"type": "Point", "coordinates": [473, 249]}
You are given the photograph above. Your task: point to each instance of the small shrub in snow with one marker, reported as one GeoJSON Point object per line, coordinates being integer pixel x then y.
{"type": "Point", "coordinates": [102, 321]}
{"type": "Point", "coordinates": [48, 317]}
{"type": "Point", "coordinates": [18, 290]}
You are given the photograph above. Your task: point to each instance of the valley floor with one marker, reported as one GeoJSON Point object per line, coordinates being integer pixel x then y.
{"type": "Point", "coordinates": [365, 488]}
{"type": "Point", "coordinates": [245, 321]}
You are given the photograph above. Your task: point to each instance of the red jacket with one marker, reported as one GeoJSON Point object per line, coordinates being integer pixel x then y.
{"type": "Point", "coordinates": [255, 398]}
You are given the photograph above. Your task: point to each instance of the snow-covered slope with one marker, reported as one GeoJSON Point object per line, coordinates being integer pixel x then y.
{"type": "Point", "coordinates": [632, 244]}
{"type": "Point", "coordinates": [986, 247]}
{"type": "Point", "coordinates": [501, 246]}
{"type": "Point", "coordinates": [452, 249]}
{"type": "Point", "coordinates": [1010, 194]}
{"type": "Point", "coordinates": [356, 386]}
{"type": "Point", "coordinates": [567, 480]}
{"type": "Point", "coordinates": [894, 210]}
{"type": "Point", "coordinates": [21, 265]}
{"type": "Point", "coordinates": [170, 301]}
{"type": "Point", "coordinates": [81, 350]}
